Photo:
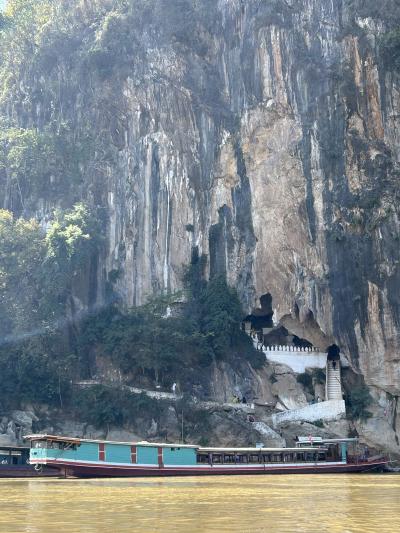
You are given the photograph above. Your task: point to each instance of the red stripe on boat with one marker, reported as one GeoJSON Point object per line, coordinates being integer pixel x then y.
{"type": "Point", "coordinates": [160, 457]}
{"type": "Point", "coordinates": [102, 452]}
{"type": "Point", "coordinates": [133, 454]}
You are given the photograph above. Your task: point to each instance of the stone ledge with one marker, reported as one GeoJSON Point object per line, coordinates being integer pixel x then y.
{"type": "Point", "coordinates": [329, 410]}
{"type": "Point", "coordinates": [297, 361]}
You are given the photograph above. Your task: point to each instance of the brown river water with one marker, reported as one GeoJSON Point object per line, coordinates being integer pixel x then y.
{"type": "Point", "coordinates": [309, 503]}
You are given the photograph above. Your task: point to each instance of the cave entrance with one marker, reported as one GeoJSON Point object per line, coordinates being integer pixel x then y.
{"type": "Point", "coordinates": [333, 353]}
{"type": "Point", "coordinates": [301, 343]}
{"type": "Point", "coordinates": [260, 325]}
{"type": "Point", "coordinates": [261, 317]}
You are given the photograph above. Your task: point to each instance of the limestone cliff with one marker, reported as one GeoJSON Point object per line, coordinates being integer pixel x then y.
{"type": "Point", "coordinates": [264, 133]}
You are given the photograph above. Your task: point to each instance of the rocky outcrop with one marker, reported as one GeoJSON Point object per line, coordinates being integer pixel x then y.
{"type": "Point", "coordinates": [289, 392]}
{"type": "Point", "coordinates": [264, 134]}
{"type": "Point", "coordinates": [15, 426]}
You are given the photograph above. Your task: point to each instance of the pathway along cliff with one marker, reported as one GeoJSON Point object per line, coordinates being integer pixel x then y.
{"type": "Point", "coordinates": [262, 136]}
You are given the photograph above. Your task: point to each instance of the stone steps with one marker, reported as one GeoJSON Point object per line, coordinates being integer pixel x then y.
{"type": "Point", "coordinates": [334, 382]}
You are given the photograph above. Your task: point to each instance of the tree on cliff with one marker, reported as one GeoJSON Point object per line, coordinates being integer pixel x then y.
{"type": "Point", "coordinates": [221, 315]}
{"type": "Point", "coordinates": [36, 272]}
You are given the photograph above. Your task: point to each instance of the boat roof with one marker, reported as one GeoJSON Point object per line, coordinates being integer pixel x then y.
{"type": "Point", "coordinates": [321, 440]}
{"type": "Point", "coordinates": [16, 448]}
{"type": "Point", "coordinates": [77, 440]}
{"type": "Point", "coordinates": [232, 449]}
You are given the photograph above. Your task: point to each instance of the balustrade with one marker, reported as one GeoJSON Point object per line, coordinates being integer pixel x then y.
{"type": "Point", "coordinates": [284, 348]}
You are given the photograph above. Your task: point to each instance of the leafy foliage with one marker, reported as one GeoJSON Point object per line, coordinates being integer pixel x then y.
{"type": "Point", "coordinates": [149, 343]}
{"type": "Point", "coordinates": [32, 369]}
{"type": "Point", "coordinates": [221, 314]}
{"type": "Point", "coordinates": [306, 380]}
{"type": "Point", "coordinates": [390, 49]}
{"type": "Point", "coordinates": [106, 406]}
{"type": "Point", "coordinates": [37, 162]}
{"type": "Point", "coordinates": [22, 251]}
{"type": "Point", "coordinates": [319, 376]}
{"type": "Point", "coordinates": [21, 28]}
{"type": "Point", "coordinates": [36, 273]}
{"type": "Point", "coordinates": [217, 309]}
{"type": "Point", "coordinates": [73, 235]}
{"type": "Point", "coordinates": [385, 10]}
{"type": "Point", "coordinates": [35, 281]}
{"type": "Point", "coordinates": [358, 400]}
{"type": "Point", "coordinates": [196, 422]}
{"type": "Point", "coordinates": [28, 158]}
{"type": "Point", "coordinates": [46, 155]}
{"type": "Point", "coordinates": [163, 346]}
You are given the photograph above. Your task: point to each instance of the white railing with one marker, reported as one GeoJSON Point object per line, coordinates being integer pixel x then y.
{"type": "Point", "coordinates": [296, 357]}
{"type": "Point", "coordinates": [284, 348]}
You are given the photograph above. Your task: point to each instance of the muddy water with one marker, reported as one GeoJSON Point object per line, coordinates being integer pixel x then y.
{"type": "Point", "coordinates": [332, 503]}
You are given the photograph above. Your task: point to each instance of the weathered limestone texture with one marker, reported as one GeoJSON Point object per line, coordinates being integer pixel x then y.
{"type": "Point", "coordinates": [286, 387]}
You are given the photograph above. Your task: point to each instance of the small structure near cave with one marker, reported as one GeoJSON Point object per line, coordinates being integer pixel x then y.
{"type": "Point", "coordinates": [297, 358]}
{"type": "Point", "coordinates": [281, 346]}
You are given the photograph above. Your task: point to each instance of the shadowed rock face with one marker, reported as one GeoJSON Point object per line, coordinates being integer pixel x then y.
{"type": "Point", "coordinates": [263, 133]}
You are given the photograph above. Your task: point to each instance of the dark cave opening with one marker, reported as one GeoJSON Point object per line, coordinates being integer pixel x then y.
{"type": "Point", "coordinates": [260, 323]}
{"type": "Point", "coordinates": [261, 317]}
{"type": "Point", "coordinates": [333, 352]}
{"type": "Point", "coordinates": [301, 343]}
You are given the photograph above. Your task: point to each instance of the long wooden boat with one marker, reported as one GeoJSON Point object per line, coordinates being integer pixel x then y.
{"type": "Point", "coordinates": [98, 458]}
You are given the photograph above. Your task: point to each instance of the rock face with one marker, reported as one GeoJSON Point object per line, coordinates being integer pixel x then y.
{"type": "Point", "coordinates": [287, 389]}
{"type": "Point", "coordinates": [13, 428]}
{"type": "Point", "coordinates": [263, 133]}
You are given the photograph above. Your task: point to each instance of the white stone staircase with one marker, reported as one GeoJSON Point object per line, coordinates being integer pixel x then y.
{"type": "Point", "coordinates": [333, 381]}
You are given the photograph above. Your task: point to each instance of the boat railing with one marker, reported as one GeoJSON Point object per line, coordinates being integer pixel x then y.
{"type": "Point", "coordinates": [354, 459]}
{"type": "Point", "coordinates": [363, 458]}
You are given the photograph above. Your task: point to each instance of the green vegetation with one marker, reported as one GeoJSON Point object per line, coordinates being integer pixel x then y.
{"type": "Point", "coordinates": [196, 422]}
{"type": "Point", "coordinates": [28, 158]}
{"type": "Point", "coordinates": [22, 250]}
{"type": "Point", "coordinates": [390, 49]}
{"type": "Point", "coordinates": [73, 236]}
{"type": "Point", "coordinates": [36, 276]}
{"type": "Point", "coordinates": [319, 376]}
{"type": "Point", "coordinates": [38, 163]}
{"type": "Point", "coordinates": [306, 380]}
{"type": "Point", "coordinates": [42, 352]}
{"type": "Point", "coordinates": [386, 10]}
{"type": "Point", "coordinates": [37, 269]}
{"type": "Point", "coordinates": [357, 401]}
{"type": "Point", "coordinates": [42, 155]}
{"type": "Point", "coordinates": [33, 370]}
{"type": "Point", "coordinates": [21, 28]}
{"type": "Point", "coordinates": [146, 341]}
{"type": "Point", "coordinates": [218, 312]}
{"type": "Point", "coordinates": [106, 406]}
